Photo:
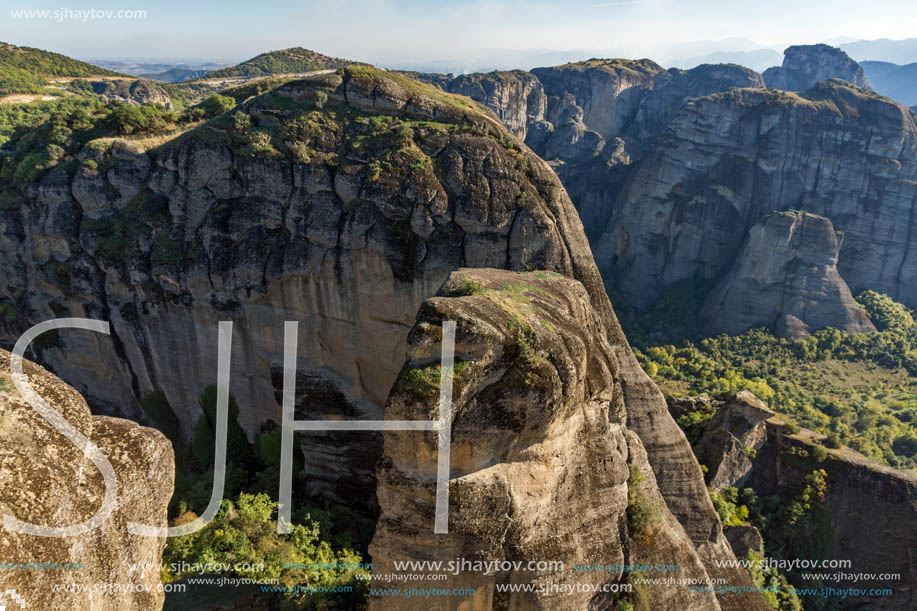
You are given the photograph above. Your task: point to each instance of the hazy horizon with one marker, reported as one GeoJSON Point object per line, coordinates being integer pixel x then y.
{"type": "Point", "coordinates": [404, 33]}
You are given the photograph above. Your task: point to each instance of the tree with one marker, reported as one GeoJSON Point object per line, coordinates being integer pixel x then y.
{"type": "Point", "coordinates": [218, 104]}
{"type": "Point", "coordinates": [241, 121]}
{"type": "Point", "coordinates": [243, 538]}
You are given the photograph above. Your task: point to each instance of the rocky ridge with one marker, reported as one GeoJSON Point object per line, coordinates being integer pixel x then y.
{"type": "Point", "coordinates": [540, 452]}
{"type": "Point", "coordinates": [131, 91]}
{"type": "Point", "coordinates": [859, 491]}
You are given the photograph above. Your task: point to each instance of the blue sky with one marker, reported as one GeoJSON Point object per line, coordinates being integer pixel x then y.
{"type": "Point", "coordinates": [405, 31]}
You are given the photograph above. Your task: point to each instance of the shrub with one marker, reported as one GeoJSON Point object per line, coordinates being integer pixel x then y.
{"type": "Point", "coordinates": [832, 441]}
{"type": "Point", "coordinates": [321, 98]}
{"type": "Point", "coordinates": [642, 513]}
{"type": "Point", "coordinates": [218, 104]}
{"type": "Point", "coordinates": [244, 533]}
{"type": "Point", "coordinates": [241, 121]}
{"type": "Point", "coordinates": [819, 453]}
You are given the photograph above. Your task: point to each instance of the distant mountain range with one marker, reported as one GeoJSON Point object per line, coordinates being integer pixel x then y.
{"type": "Point", "coordinates": [175, 75]}
{"type": "Point", "coordinates": [147, 69]}
{"type": "Point", "coordinates": [891, 80]}
{"type": "Point", "coordinates": [883, 50]}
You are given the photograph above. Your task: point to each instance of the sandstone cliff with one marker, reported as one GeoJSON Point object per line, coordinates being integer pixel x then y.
{"type": "Point", "coordinates": [345, 218]}
{"type": "Point", "coordinates": [516, 97]}
{"type": "Point", "coordinates": [785, 278]}
{"type": "Point", "coordinates": [46, 480]}
{"type": "Point", "coordinates": [805, 65]}
{"type": "Point", "coordinates": [872, 507]}
{"type": "Point", "coordinates": [727, 159]}
{"type": "Point", "coordinates": [591, 119]}
{"type": "Point", "coordinates": [540, 453]}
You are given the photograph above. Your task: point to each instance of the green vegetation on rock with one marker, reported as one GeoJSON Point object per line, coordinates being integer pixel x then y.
{"type": "Point", "coordinates": [643, 514]}
{"type": "Point", "coordinates": [284, 61]}
{"type": "Point", "coordinates": [23, 69]}
{"type": "Point", "coordinates": [861, 388]}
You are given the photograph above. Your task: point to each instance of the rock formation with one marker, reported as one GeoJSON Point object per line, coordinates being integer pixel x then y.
{"type": "Point", "coordinates": [346, 221]}
{"type": "Point", "coordinates": [540, 452]}
{"type": "Point", "coordinates": [46, 480]}
{"type": "Point", "coordinates": [805, 65]}
{"type": "Point", "coordinates": [516, 97]}
{"type": "Point", "coordinates": [785, 278]}
{"type": "Point", "coordinates": [872, 507]}
{"type": "Point", "coordinates": [604, 93]}
{"type": "Point", "coordinates": [735, 430]}
{"type": "Point", "coordinates": [132, 91]}
{"type": "Point", "coordinates": [592, 119]}
{"type": "Point", "coordinates": [727, 159]}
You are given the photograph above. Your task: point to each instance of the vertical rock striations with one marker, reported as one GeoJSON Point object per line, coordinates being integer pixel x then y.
{"type": "Point", "coordinates": [785, 278]}
{"type": "Point", "coordinates": [540, 454]}
{"type": "Point", "coordinates": [728, 159]}
{"type": "Point", "coordinates": [805, 65]}
{"type": "Point", "coordinates": [344, 218]}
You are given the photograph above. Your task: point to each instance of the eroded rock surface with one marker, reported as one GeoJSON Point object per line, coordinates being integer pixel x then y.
{"type": "Point", "coordinates": [785, 278]}
{"type": "Point", "coordinates": [540, 452]}
{"type": "Point", "coordinates": [805, 65]}
{"type": "Point", "coordinates": [516, 97]}
{"type": "Point", "coordinates": [728, 159]}
{"type": "Point", "coordinates": [47, 480]}
{"type": "Point", "coordinates": [346, 222]}
{"type": "Point", "coordinates": [871, 507]}
{"type": "Point", "coordinates": [132, 91]}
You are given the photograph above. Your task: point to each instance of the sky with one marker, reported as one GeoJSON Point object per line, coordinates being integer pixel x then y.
{"type": "Point", "coordinates": [400, 33]}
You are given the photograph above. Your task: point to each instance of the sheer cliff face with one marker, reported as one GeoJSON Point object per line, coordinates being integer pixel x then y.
{"type": "Point", "coordinates": [517, 97]}
{"type": "Point", "coordinates": [805, 65]}
{"type": "Point", "coordinates": [47, 480]}
{"type": "Point", "coordinates": [785, 278]}
{"type": "Point", "coordinates": [605, 93]}
{"type": "Point", "coordinates": [859, 492]}
{"type": "Point", "coordinates": [344, 219]}
{"type": "Point", "coordinates": [348, 238]}
{"type": "Point", "coordinates": [592, 119]}
{"type": "Point", "coordinates": [540, 452]}
{"type": "Point", "coordinates": [728, 159]}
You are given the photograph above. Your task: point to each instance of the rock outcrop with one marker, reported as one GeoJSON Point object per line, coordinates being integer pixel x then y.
{"type": "Point", "coordinates": [785, 278]}
{"type": "Point", "coordinates": [805, 65]}
{"type": "Point", "coordinates": [736, 430]}
{"type": "Point", "coordinates": [603, 93]}
{"type": "Point", "coordinates": [346, 222]}
{"type": "Point", "coordinates": [728, 159]}
{"type": "Point", "coordinates": [47, 480]}
{"type": "Point", "coordinates": [516, 97]}
{"type": "Point", "coordinates": [540, 454]}
{"type": "Point", "coordinates": [592, 119]}
{"type": "Point", "coordinates": [872, 507]}
{"type": "Point", "coordinates": [131, 91]}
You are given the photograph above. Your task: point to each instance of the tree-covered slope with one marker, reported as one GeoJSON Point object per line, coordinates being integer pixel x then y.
{"type": "Point", "coordinates": [295, 59]}
{"type": "Point", "coordinates": [23, 69]}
